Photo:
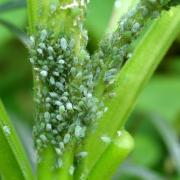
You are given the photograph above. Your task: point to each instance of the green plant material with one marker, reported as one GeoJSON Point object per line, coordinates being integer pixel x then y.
{"type": "Point", "coordinates": [58, 57]}
{"type": "Point", "coordinates": [11, 5]}
{"type": "Point", "coordinates": [161, 93]}
{"type": "Point", "coordinates": [45, 165]}
{"type": "Point", "coordinates": [97, 19]}
{"type": "Point", "coordinates": [117, 48]}
{"type": "Point", "coordinates": [19, 21]}
{"type": "Point", "coordinates": [32, 14]}
{"type": "Point", "coordinates": [65, 77]}
{"type": "Point", "coordinates": [148, 145]}
{"type": "Point", "coordinates": [136, 171]}
{"type": "Point", "coordinates": [131, 80]}
{"type": "Point", "coordinates": [120, 7]}
{"type": "Point", "coordinates": [20, 34]}
{"type": "Point", "coordinates": [67, 172]}
{"type": "Point", "coordinates": [169, 137]}
{"type": "Point", "coordinates": [117, 151]}
{"type": "Point", "coordinates": [13, 160]}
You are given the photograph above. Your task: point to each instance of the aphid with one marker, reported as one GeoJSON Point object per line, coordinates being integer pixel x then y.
{"type": "Point", "coordinates": [40, 51]}
{"type": "Point", "coordinates": [71, 170]}
{"type": "Point", "coordinates": [58, 103]}
{"type": "Point", "coordinates": [106, 139]}
{"type": "Point", "coordinates": [63, 44]}
{"type": "Point", "coordinates": [119, 133]}
{"type": "Point", "coordinates": [42, 45]}
{"type": "Point", "coordinates": [53, 94]}
{"type": "Point", "coordinates": [44, 73]}
{"type": "Point", "coordinates": [59, 117]}
{"type": "Point", "coordinates": [61, 145]}
{"type": "Point", "coordinates": [136, 26]}
{"type": "Point", "coordinates": [31, 60]}
{"type": "Point", "coordinates": [47, 115]}
{"type": "Point", "coordinates": [52, 80]}
{"type": "Point", "coordinates": [43, 35]}
{"type": "Point", "coordinates": [82, 154]}
{"type": "Point", "coordinates": [79, 131]}
{"type": "Point", "coordinates": [117, 4]}
{"type": "Point", "coordinates": [32, 40]}
{"type": "Point", "coordinates": [69, 106]}
{"type": "Point", "coordinates": [59, 163]}
{"type": "Point", "coordinates": [54, 131]}
{"type": "Point", "coordinates": [48, 127]}
{"type": "Point", "coordinates": [61, 109]}
{"type": "Point", "coordinates": [50, 50]}
{"type": "Point", "coordinates": [6, 130]}
{"type": "Point", "coordinates": [67, 138]}
{"type": "Point", "coordinates": [53, 8]}
{"type": "Point", "coordinates": [61, 61]}
{"type": "Point", "coordinates": [43, 137]}
{"type": "Point", "coordinates": [58, 151]}
{"type": "Point", "coordinates": [56, 73]}
{"type": "Point", "coordinates": [48, 99]}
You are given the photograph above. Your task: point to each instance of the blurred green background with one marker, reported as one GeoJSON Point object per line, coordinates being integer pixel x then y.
{"type": "Point", "coordinates": [155, 122]}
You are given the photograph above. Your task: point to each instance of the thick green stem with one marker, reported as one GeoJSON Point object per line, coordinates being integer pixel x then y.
{"type": "Point", "coordinates": [117, 151]}
{"type": "Point", "coordinates": [130, 82]}
{"type": "Point", "coordinates": [67, 170]}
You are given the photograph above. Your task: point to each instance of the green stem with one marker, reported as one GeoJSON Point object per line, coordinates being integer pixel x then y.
{"type": "Point", "coordinates": [131, 80]}
{"type": "Point", "coordinates": [66, 172]}
{"type": "Point", "coordinates": [45, 170]}
{"type": "Point", "coordinates": [32, 14]}
{"type": "Point", "coordinates": [120, 8]}
{"type": "Point", "coordinates": [117, 151]}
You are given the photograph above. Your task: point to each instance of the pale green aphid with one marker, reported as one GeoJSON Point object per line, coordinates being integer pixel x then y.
{"type": "Point", "coordinates": [6, 130]}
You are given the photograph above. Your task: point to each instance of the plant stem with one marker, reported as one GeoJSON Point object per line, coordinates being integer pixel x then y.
{"type": "Point", "coordinates": [117, 151]}
{"type": "Point", "coordinates": [68, 159]}
{"type": "Point", "coordinates": [32, 14]}
{"type": "Point", "coordinates": [131, 80]}
{"type": "Point", "coordinates": [120, 8]}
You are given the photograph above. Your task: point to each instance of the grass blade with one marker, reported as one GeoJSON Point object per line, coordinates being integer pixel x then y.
{"type": "Point", "coordinates": [137, 171]}
{"type": "Point", "coordinates": [20, 34]}
{"type": "Point", "coordinates": [12, 5]}
{"type": "Point", "coordinates": [13, 160]}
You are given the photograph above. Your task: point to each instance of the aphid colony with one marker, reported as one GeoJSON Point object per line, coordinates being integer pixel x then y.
{"type": "Point", "coordinates": [66, 105]}
{"type": "Point", "coordinates": [66, 80]}
{"type": "Point", "coordinates": [117, 48]}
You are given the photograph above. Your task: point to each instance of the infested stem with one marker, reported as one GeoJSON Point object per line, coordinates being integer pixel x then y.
{"type": "Point", "coordinates": [120, 8]}
{"type": "Point", "coordinates": [130, 82]}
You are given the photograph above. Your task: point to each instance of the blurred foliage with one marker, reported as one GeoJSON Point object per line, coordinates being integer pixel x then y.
{"type": "Point", "coordinates": [152, 158]}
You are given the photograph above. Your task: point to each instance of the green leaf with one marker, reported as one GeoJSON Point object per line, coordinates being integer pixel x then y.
{"type": "Point", "coordinates": [161, 95]}
{"type": "Point", "coordinates": [135, 170]}
{"type": "Point", "coordinates": [12, 5]}
{"type": "Point", "coordinates": [20, 34]}
{"type": "Point", "coordinates": [13, 161]}
{"type": "Point", "coordinates": [131, 80]}
{"type": "Point", "coordinates": [169, 137]}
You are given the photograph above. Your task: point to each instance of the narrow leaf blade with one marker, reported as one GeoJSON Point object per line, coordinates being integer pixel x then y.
{"type": "Point", "coordinates": [137, 171]}
{"type": "Point", "coordinates": [13, 161]}
{"type": "Point", "coordinates": [22, 36]}
{"type": "Point", "coordinates": [11, 5]}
